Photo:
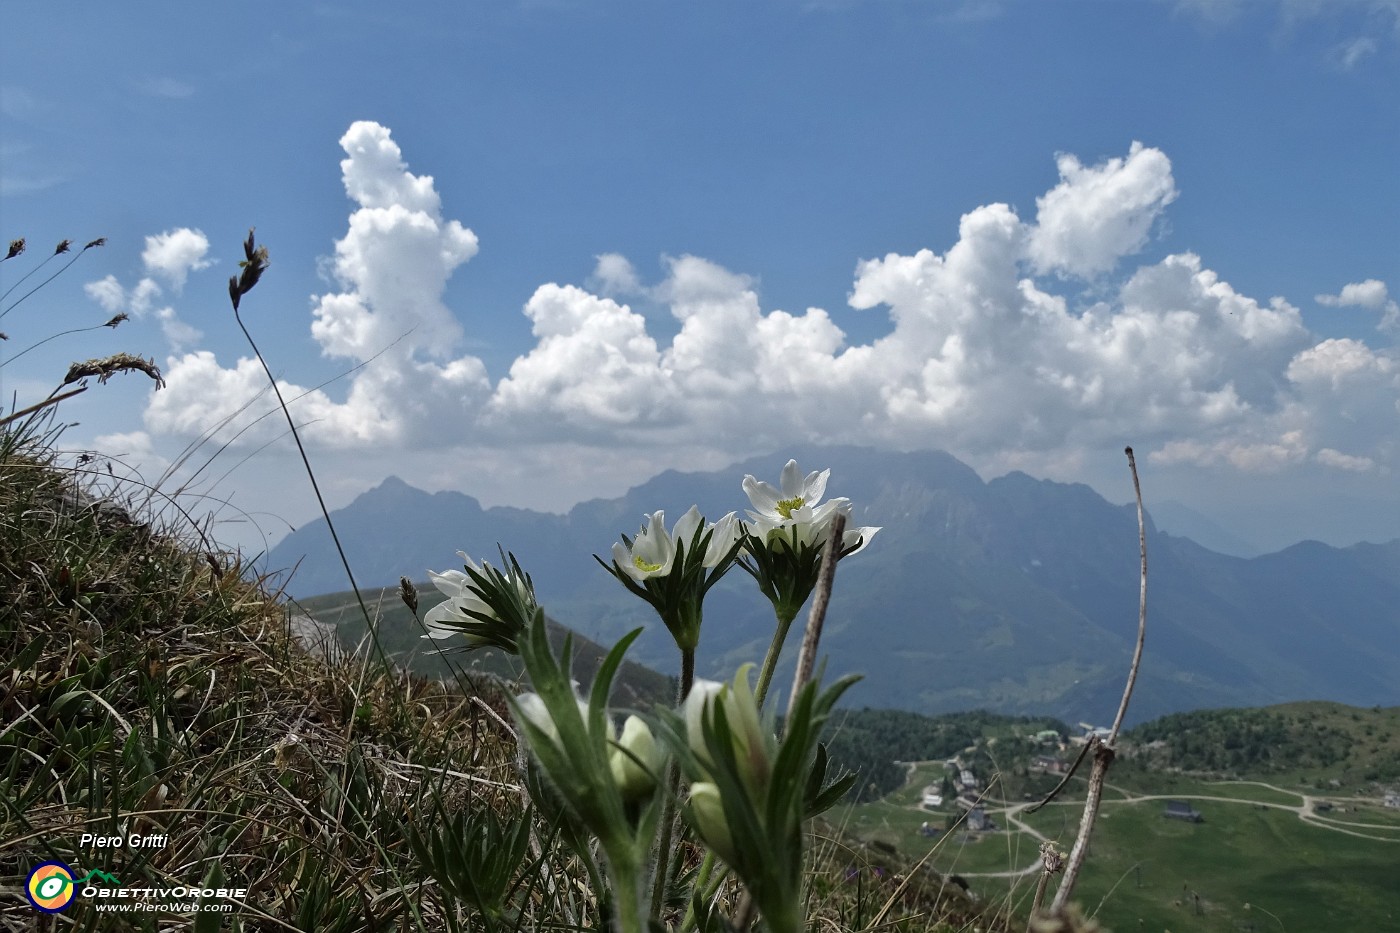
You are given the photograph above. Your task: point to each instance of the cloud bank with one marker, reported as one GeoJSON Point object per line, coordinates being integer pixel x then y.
{"type": "Point", "coordinates": [1024, 337]}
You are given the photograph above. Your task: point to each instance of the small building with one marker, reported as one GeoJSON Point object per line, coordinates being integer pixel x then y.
{"type": "Point", "coordinates": [1393, 800]}
{"type": "Point", "coordinates": [932, 797]}
{"type": "Point", "coordinates": [978, 821]}
{"type": "Point", "coordinates": [967, 779]}
{"type": "Point", "coordinates": [1048, 764]}
{"type": "Point", "coordinates": [1181, 810]}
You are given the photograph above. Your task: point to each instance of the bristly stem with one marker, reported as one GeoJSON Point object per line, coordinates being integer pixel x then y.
{"type": "Point", "coordinates": [770, 660]}
{"type": "Point", "coordinates": [1105, 750]}
{"type": "Point", "coordinates": [669, 810]}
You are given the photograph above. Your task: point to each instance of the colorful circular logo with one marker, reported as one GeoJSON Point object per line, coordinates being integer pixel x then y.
{"type": "Point", "coordinates": [50, 887]}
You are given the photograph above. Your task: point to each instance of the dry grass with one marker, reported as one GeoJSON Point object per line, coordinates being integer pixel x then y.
{"type": "Point", "coordinates": [151, 689]}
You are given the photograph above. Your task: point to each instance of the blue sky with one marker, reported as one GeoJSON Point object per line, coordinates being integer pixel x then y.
{"type": "Point", "coordinates": [633, 206]}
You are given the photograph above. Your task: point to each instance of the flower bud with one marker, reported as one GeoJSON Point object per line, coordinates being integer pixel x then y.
{"type": "Point", "coordinates": [636, 780]}
{"type": "Point", "coordinates": [751, 744]}
{"type": "Point", "coordinates": [707, 816]}
{"type": "Point", "coordinates": [702, 693]}
{"type": "Point", "coordinates": [534, 711]}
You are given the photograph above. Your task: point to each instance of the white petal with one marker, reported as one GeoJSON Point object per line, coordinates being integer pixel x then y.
{"type": "Point", "coordinates": [863, 535]}
{"type": "Point", "coordinates": [622, 557]}
{"type": "Point", "coordinates": [533, 710]}
{"type": "Point", "coordinates": [687, 525]}
{"type": "Point", "coordinates": [792, 483]}
{"type": "Point", "coordinates": [702, 693]}
{"type": "Point", "coordinates": [722, 537]}
{"type": "Point", "coordinates": [449, 582]}
{"type": "Point", "coordinates": [763, 496]}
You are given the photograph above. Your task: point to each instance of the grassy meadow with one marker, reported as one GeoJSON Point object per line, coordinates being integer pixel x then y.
{"type": "Point", "coordinates": [1147, 872]}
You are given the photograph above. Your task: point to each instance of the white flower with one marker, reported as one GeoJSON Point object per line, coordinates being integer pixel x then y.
{"type": "Point", "coordinates": [794, 491]}
{"type": "Point", "coordinates": [653, 551]}
{"type": "Point", "coordinates": [446, 618]}
{"type": "Point", "coordinates": [794, 510]}
{"type": "Point", "coordinates": [464, 607]}
{"type": "Point", "coordinates": [810, 526]}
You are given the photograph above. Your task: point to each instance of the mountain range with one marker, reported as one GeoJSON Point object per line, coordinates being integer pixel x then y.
{"type": "Point", "coordinates": [1016, 595]}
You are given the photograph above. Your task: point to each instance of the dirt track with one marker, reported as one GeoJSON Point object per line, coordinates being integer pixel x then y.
{"type": "Point", "coordinates": [1010, 815]}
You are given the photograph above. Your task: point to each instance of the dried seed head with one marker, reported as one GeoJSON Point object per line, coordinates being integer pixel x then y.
{"type": "Point", "coordinates": [408, 594]}
{"type": "Point", "coordinates": [253, 267]}
{"type": "Point", "coordinates": [16, 247]}
{"type": "Point", "coordinates": [117, 320]}
{"type": "Point", "coordinates": [106, 367]}
{"type": "Point", "coordinates": [100, 241]}
{"type": "Point", "coordinates": [1051, 858]}
{"type": "Point", "coordinates": [62, 247]}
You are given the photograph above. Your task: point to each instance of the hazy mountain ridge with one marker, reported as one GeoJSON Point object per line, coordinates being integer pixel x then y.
{"type": "Point", "coordinates": [1017, 595]}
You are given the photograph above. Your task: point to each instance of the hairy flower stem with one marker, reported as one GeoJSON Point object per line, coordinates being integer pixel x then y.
{"type": "Point", "coordinates": [627, 899]}
{"type": "Point", "coordinates": [687, 674]}
{"type": "Point", "coordinates": [669, 810]}
{"type": "Point", "coordinates": [770, 660]}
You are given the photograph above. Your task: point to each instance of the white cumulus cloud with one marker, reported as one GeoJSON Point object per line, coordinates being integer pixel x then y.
{"type": "Point", "coordinates": [1098, 214]}
{"type": "Point", "coordinates": [391, 268]}
{"type": "Point", "coordinates": [614, 276]}
{"type": "Point", "coordinates": [983, 358]}
{"type": "Point", "coordinates": [1371, 294]}
{"type": "Point", "coordinates": [174, 254]}
{"type": "Point", "coordinates": [140, 301]}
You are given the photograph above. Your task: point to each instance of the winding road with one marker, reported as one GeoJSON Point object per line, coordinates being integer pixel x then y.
{"type": "Point", "coordinates": [1011, 815]}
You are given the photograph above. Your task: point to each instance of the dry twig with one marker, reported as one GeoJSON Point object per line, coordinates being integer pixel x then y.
{"type": "Point", "coordinates": [1105, 750]}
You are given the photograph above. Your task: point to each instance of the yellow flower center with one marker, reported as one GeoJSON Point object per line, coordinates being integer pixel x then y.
{"type": "Point", "coordinates": [643, 566]}
{"type": "Point", "coordinates": [786, 506]}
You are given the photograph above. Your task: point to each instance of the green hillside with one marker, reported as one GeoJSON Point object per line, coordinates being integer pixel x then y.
{"type": "Point", "coordinates": [1312, 742]}
{"type": "Point", "coordinates": [876, 742]}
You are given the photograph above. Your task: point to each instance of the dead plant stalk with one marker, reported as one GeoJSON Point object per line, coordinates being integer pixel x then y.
{"type": "Point", "coordinates": [1104, 750]}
